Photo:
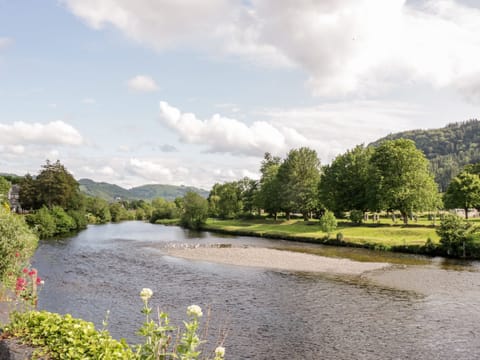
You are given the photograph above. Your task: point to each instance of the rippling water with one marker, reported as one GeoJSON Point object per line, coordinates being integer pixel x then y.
{"type": "Point", "coordinates": [268, 314]}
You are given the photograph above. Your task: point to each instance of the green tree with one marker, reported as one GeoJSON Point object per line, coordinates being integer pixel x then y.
{"type": "Point", "coordinates": [28, 193]}
{"type": "Point", "coordinates": [401, 179]}
{"type": "Point", "coordinates": [4, 189]}
{"type": "Point", "coordinates": [463, 192]}
{"type": "Point", "coordinates": [328, 222]}
{"type": "Point", "coordinates": [457, 236]}
{"type": "Point", "coordinates": [118, 212]}
{"type": "Point", "coordinates": [163, 209]}
{"type": "Point", "coordinates": [98, 210]}
{"type": "Point", "coordinates": [299, 176]}
{"type": "Point", "coordinates": [195, 210]}
{"type": "Point", "coordinates": [344, 183]}
{"type": "Point", "coordinates": [56, 186]}
{"type": "Point", "coordinates": [43, 222]}
{"type": "Point", "coordinates": [267, 196]}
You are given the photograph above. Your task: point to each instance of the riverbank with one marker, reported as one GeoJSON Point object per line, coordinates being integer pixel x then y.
{"type": "Point", "coordinates": [276, 259]}
{"type": "Point", "coordinates": [412, 238]}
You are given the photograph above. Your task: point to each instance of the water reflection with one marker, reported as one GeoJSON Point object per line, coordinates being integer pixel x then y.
{"type": "Point", "coordinates": [269, 314]}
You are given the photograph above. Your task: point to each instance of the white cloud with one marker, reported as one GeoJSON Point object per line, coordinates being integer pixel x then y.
{"type": "Point", "coordinates": [52, 133]}
{"type": "Point", "coordinates": [226, 135]}
{"type": "Point", "coordinates": [149, 170]}
{"type": "Point", "coordinates": [332, 128]}
{"type": "Point", "coordinates": [142, 83]}
{"type": "Point", "coordinates": [344, 46]}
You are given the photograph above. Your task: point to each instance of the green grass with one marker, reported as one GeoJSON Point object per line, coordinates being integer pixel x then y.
{"type": "Point", "coordinates": [385, 233]}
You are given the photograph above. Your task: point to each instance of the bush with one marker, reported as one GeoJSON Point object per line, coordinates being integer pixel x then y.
{"type": "Point", "coordinates": [457, 236]}
{"type": "Point", "coordinates": [328, 222]}
{"type": "Point", "coordinates": [80, 219]}
{"type": "Point", "coordinates": [42, 222]}
{"type": "Point", "coordinates": [65, 337]}
{"type": "Point", "coordinates": [17, 245]}
{"type": "Point", "coordinates": [356, 216]}
{"type": "Point", "coordinates": [63, 222]}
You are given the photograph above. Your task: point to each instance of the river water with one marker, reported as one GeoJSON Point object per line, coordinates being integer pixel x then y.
{"type": "Point", "coordinates": [267, 314]}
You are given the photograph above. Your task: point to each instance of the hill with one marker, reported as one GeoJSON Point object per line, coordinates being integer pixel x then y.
{"type": "Point", "coordinates": [449, 148]}
{"type": "Point", "coordinates": [110, 192]}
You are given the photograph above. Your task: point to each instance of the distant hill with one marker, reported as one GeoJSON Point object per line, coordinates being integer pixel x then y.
{"type": "Point", "coordinates": [110, 192]}
{"type": "Point", "coordinates": [449, 148]}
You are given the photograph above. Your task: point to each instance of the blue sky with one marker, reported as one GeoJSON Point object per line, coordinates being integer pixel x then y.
{"type": "Point", "coordinates": [194, 92]}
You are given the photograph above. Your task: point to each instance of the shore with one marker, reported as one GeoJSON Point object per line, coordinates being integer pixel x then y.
{"type": "Point", "coordinates": [277, 259]}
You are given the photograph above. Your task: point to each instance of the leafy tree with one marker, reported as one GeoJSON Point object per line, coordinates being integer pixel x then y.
{"type": "Point", "coordinates": [4, 189]}
{"type": "Point", "coordinates": [401, 179]}
{"type": "Point", "coordinates": [463, 192]}
{"type": "Point", "coordinates": [163, 209]}
{"type": "Point", "coordinates": [299, 175]}
{"type": "Point", "coordinates": [53, 186]}
{"type": "Point", "coordinates": [28, 193]}
{"type": "Point", "coordinates": [63, 222]}
{"type": "Point", "coordinates": [328, 222]}
{"type": "Point", "coordinates": [267, 196]}
{"type": "Point", "coordinates": [248, 192]}
{"type": "Point", "coordinates": [457, 236]}
{"type": "Point", "coordinates": [99, 209]}
{"type": "Point", "coordinates": [195, 210]}
{"type": "Point", "coordinates": [56, 186]}
{"type": "Point", "coordinates": [43, 222]}
{"type": "Point", "coordinates": [344, 183]}
{"type": "Point", "coordinates": [118, 212]}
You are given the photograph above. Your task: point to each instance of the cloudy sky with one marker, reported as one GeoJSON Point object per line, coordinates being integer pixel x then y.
{"type": "Point", "coordinates": [195, 91]}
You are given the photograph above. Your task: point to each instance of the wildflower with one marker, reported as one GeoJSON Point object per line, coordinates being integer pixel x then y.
{"type": "Point", "coordinates": [194, 310]}
{"type": "Point", "coordinates": [32, 272]}
{"type": "Point", "coordinates": [25, 270]}
{"type": "Point", "coordinates": [17, 254]}
{"type": "Point", "coordinates": [220, 351]}
{"type": "Point", "coordinates": [146, 294]}
{"type": "Point", "coordinates": [39, 281]}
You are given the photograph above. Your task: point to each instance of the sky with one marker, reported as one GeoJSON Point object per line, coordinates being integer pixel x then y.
{"type": "Point", "coordinates": [194, 92]}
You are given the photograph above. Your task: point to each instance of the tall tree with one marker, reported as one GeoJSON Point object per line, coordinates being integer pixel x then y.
{"type": "Point", "coordinates": [463, 192]}
{"type": "Point", "coordinates": [195, 210]}
{"type": "Point", "coordinates": [401, 179]}
{"type": "Point", "coordinates": [344, 183]}
{"type": "Point", "coordinates": [56, 186]}
{"type": "Point", "coordinates": [299, 176]}
{"type": "Point", "coordinates": [267, 197]}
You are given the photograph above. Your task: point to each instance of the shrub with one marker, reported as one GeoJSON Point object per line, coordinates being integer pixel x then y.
{"type": "Point", "coordinates": [328, 222]}
{"type": "Point", "coordinates": [17, 245]}
{"type": "Point", "coordinates": [42, 222]}
{"type": "Point", "coordinates": [457, 236]}
{"type": "Point", "coordinates": [64, 337]}
{"type": "Point", "coordinates": [356, 216]}
{"type": "Point", "coordinates": [63, 222]}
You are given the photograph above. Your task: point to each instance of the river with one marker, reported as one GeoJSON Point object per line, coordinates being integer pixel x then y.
{"type": "Point", "coordinates": [268, 314]}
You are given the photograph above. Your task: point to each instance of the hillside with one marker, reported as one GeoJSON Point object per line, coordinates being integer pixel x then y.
{"type": "Point", "coordinates": [449, 148]}
{"type": "Point", "coordinates": [145, 192]}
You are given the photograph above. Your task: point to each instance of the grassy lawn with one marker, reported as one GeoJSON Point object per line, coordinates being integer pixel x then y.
{"type": "Point", "coordinates": [385, 233]}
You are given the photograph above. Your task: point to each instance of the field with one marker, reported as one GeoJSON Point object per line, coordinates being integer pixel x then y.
{"type": "Point", "coordinates": [384, 234]}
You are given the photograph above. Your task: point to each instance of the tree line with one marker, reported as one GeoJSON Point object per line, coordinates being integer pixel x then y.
{"type": "Point", "coordinates": [393, 176]}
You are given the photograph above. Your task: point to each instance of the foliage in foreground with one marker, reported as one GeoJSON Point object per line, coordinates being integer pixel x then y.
{"type": "Point", "coordinates": [17, 245]}
{"type": "Point", "coordinates": [64, 337]}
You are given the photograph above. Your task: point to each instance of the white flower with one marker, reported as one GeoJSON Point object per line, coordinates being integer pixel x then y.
{"type": "Point", "coordinates": [42, 282]}
{"type": "Point", "coordinates": [220, 351]}
{"type": "Point", "coordinates": [146, 294]}
{"type": "Point", "coordinates": [194, 310]}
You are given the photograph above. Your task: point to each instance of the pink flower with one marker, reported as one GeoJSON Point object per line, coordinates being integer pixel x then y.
{"type": "Point", "coordinates": [25, 270]}
{"type": "Point", "coordinates": [32, 272]}
{"type": "Point", "coordinates": [17, 254]}
{"type": "Point", "coordinates": [39, 280]}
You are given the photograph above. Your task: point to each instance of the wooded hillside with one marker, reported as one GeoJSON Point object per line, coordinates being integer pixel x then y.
{"type": "Point", "coordinates": [448, 149]}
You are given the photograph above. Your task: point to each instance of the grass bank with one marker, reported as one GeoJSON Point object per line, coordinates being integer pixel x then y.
{"type": "Point", "coordinates": [383, 236]}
